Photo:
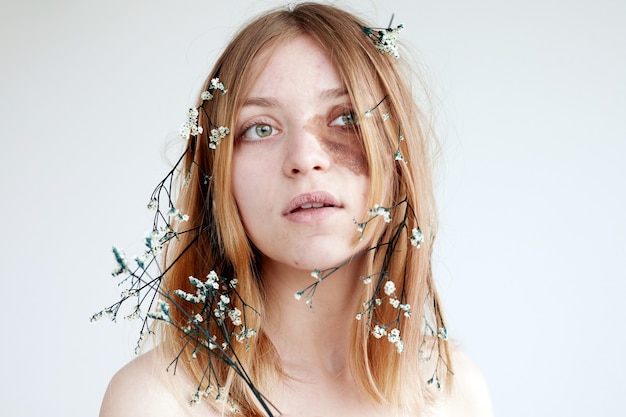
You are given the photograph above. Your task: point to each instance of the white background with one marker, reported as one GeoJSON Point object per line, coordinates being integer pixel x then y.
{"type": "Point", "coordinates": [532, 249]}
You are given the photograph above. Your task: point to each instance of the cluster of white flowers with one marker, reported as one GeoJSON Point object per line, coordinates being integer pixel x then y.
{"type": "Point", "coordinates": [416, 237]}
{"type": "Point", "coordinates": [210, 289]}
{"type": "Point", "coordinates": [108, 312]}
{"type": "Point", "coordinates": [379, 330]}
{"type": "Point", "coordinates": [190, 127]}
{"type": "Point", "coordinates": [177, 214]}
{"type": "Point", "coordinates": [153, 204]}
{"type": "Point", "coordinates": [388, 41]}
{"type": "Point", "coordinates": [154, 242]}
{"type": "Point", "coordinates": [244, 334]}
{"type": "Point", "coordinates": [394, 337]}
{"type": "Point", "coordinates": [161, 313]}
{"type": "Point", "coordinates": [399, 157]}
{"type": "Point", "coordinates": [122, 263]}
{"type": "Point", "coordinates": [380, 211]}
{"type": "Point", "coordinates": [217, 135]}
{"type": "Point", "coordinates": [360, 227]}
{"type": "Point", "coordinates": [390, 291]}
{"type": "Point", "coordinates": [156, 239]}
{"type": "Point", "coordinates": [219, 394]}
{"type": "Point", "coordinates": [215, 84]}
{"type": "Point", "coordinates": [442, 333]}
{"type": "Point", "coordinates": [136, 313]}
{"type": "Point", "coordinates": [390, 288]}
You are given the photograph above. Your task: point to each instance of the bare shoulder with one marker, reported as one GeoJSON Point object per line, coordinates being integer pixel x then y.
{"type": "Point", "coordinates": [145, 388]}
{"type": "Point", "coordinates": [470, 394]}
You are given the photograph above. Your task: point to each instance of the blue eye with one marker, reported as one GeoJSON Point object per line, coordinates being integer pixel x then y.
{"type": "Point", "coordinates": [347, 119]}
{"type": "Point", "coordinates": [259, 131]}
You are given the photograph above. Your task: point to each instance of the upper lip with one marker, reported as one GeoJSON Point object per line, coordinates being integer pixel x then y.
{"type": "Point", "coordinates": [316, 197]}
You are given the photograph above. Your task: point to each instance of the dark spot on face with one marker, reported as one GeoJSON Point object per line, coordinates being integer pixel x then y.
{"type": "Point", "coordinates": [343, 144]}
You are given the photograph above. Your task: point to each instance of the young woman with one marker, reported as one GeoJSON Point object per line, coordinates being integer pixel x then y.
{"type": "Point", "coordinates": [306, 173]}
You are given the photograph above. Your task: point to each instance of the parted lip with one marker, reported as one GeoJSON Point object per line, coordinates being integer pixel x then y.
{"type": "Point", "coordinates": [314, 199]}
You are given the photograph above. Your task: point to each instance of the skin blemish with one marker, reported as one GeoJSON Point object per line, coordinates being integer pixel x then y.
{"type": "Point", "coordinates": [342, 143]}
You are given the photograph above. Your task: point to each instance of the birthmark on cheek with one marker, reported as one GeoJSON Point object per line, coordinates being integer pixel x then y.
{"type": "Point", "coordinates": [343, 144]}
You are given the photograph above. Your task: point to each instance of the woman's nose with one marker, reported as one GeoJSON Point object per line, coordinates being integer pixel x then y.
{"type": "Point", "coordinates": [304, 153]}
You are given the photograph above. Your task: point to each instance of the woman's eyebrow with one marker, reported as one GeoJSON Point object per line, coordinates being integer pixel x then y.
{"type": "Point", "coordinates": [333, 93]}
{"type": "Point", "coordinates": [261, 102]}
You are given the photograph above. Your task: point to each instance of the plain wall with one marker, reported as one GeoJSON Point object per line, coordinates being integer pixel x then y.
{"type": "Point", "coordinates": [531, 98]}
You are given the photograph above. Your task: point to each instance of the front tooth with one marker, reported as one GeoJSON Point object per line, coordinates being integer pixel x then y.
{"type": "Point", "coordinates": [317, 205]}
{"type": "Point", "coordinates": [306, 206]}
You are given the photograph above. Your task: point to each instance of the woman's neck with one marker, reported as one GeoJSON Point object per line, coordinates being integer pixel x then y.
{"type": "Point", "coordinates": [313, 334]}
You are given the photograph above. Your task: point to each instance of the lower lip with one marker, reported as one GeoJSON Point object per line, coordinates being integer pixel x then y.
{"type": "Point", "coordinates": [312, 215]}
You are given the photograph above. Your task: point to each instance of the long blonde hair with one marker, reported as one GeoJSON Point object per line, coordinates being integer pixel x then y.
{"type": "Point", "coordinates": [387, 377]}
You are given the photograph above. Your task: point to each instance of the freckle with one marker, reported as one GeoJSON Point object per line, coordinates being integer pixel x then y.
{"type": "Point", "coordinates": [344, 146]}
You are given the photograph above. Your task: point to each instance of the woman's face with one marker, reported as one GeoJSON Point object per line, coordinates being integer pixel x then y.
{"type": "Point", "coordinates": [299, 171]}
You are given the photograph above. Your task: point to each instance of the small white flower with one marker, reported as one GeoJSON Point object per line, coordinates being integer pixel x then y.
{"type": "Point", "coordinates": [216, 84]}
{"type": "Point", "coordinates": [400, 346]}
{"type": "Point", "coordinates": [122, 264]}
{"type": "Point", "coordinates": [153, 204]}
{"type": "Point", "coordinates": [142, 259]}
{"type": "Point", "coordinates": [359, 316]}
{"type": "Point", "coordinates": [235, 316]}
{"type": "Point", "coordinates": [381, 211]}
{"type": "Point", "coordinates": [388, 41]}
{"type": "Point", "coordinates": [390, 288]}
{"type": "Point", "coordinates": [394, 302]}
{"type": "Point", "coordinates": [127, 293]}
{"type": "Point", "coordinates": [406, 308]}
{"type": "Point", "coordinates": [245, 334]}
{"type": "Point", "coordinates": [211, 343]}
{"type": "Point", "coordinates": [394, 335]}
{"type": "Point", "coordinates": [212, 280]}
{"type": "Point", "coordinates": [298, 295]}
{"type": "Point", "coordinates": [190, 127]}
{"type": "Point", "coordinates": [196, 397]}
{"type": "Point", "coordinates": [157, 238]}
{"type": "Point", "coordinates": [206, 95]}
{"type": "Point", "coordinates": [416, 237]}
{"type": "Point", "coordinates": [399, 157]}
{"type": "Point", "coordinates": [443, 333]}
{"type": "Point", "coordinates": [316, 274]}
{"type": "Point", "coordinates": [134, 315]}
{"type": "Point", "coordinates": [186, 296]}
{"type": "Point", "coordinates": [379, 331]}
{"type": "Point", "coordinates": [217, 135]}
{"type": "Point", "coordinates": [162, 312]}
